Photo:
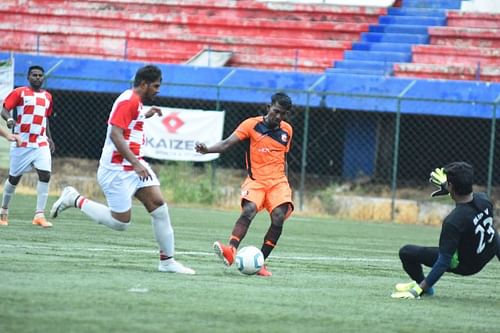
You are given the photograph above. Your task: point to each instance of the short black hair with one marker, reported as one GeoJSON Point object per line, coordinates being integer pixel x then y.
{"type": "Point", "coordinates": [461, 175]}
{"type": "Point", "coordinates": [282, 99]}
{"type": "Point", "coordinates": [35, 67]}
{"type": "Point", "coordinates": [148, 73]}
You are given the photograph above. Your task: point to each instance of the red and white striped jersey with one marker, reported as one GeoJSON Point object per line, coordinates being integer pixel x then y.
{"type": "Point", "coordinates": [33, 108]}
{"type": "Point", "coordinates": [128, 114]}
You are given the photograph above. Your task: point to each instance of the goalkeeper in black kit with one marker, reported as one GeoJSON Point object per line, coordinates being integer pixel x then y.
{"type": "Point", "coordinates": [468, 239]}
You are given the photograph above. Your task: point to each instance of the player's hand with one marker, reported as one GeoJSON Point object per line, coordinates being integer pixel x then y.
{"type": "Point", "coordinates": [438, 178]}
{"type": "Point", "coordinates": [154, 110]}
{"type": "Point", "coordinates": [10, 123]}
{"type": "Point", "coordinates": [413, 293]}
{"type": "Point", "coordinates": [15, 138]}
{"type": "Point", "coordinates": [52, 146]}
{"type": "Point", "coordinates": [142, 171]}
{"type": "Point", "coordinates": [201, 148]}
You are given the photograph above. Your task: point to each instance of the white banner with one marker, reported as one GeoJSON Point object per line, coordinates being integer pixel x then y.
{"type": "Point", "coordinates": [6, 78]}
{"type": "Point", "coordinates": [174, 135]}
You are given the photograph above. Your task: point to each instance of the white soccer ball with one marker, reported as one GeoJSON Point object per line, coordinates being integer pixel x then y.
{"type": "Point", "coordinates": [249, 260]}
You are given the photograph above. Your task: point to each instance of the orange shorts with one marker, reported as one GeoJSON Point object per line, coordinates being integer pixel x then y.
{"type": "Point", "coordinates": [267, 194]}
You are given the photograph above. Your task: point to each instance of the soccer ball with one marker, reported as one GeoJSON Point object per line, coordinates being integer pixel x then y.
{"type": "Point", "coordinates": [249, 260]}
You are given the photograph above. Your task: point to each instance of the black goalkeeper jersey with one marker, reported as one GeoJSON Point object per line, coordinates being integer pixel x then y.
{"type": "Point", "coordinates": [468, 230]}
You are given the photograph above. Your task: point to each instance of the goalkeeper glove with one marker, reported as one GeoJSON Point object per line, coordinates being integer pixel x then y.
{"type": "Point", "coordinates": [438, 178]}
{"type": "Point", "coordinates": [407, 290]}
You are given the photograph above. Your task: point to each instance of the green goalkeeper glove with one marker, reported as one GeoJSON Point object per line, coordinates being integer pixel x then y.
{"type": "Point", "coordinates": [438, 178]}
{"type": "Point", "coordinates": [408, 291]}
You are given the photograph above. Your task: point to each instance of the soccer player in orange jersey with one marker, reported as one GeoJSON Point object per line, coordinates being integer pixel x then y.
{"type": "Point", "coordinates": [266, 186]}
{"type": "Point", "coordinates": [32, 108]}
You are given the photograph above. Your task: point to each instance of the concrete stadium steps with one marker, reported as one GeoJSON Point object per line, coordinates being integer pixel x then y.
{"type": "Point", "coordinates": [187, 24]}
{"type": "Point", "coordinates": [27, 41]}
{"type": "Point", "coordinates": [427, 12]}
{"type": "Point", "coordinates": [279, 63]}
{"type": "Point", "coordinates": [399, 29]}
{"type": "Point", "coordinates": [162, 48]}
{"type": "Point", "coordinates": [365, 65]}
{"type": "Point", "coordinates": [248, 9]}
{"type": "Point", "coordinates": [357, 71]}
{"type": "Point", "coordinates": [413, 20]}
{"type": "Point", "coordinates": [377, 37]}
{"type": "Point", "coordinates": [458, 52]}
{"type": "Point", "coordinates": [467, 47]}
{"type": "Point", "coordinates": [388, 47]}
{"type": "Point", "coordinates": [475, 20]}
{"type": "Point", "coordinates": [460, 36]}
{"type": "Point", "coordinates": [119, 29]}
{"type": "Point", "coordinates": [449, 72]}
{"type": "Point", "coordinates": [390, 40]}
{"type": "Point", "coordinates": [380, 56]}
{"type": "Point", "coordinates": [435, 4]}
{"type": "Point", "coordinates": [450, 55]}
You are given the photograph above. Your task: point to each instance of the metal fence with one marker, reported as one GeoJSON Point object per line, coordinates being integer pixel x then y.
{"type": "Point", "coordinates": [387, 154]}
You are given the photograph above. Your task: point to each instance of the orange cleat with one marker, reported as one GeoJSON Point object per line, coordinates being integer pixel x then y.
{"type": "Point", "coordinates": [41, 221]}
{"type": "Point", "coordinates": [225, 252]}
{"type": "Point", "coordinates": [4, 217]}
{"type": "Point", "coordinates": [264, 272]}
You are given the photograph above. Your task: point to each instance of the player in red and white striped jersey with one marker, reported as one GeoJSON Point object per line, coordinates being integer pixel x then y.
{"type": "Point", "coordinates": [123, 173]}
{"type": "Point", "coordinates": [27, 110]}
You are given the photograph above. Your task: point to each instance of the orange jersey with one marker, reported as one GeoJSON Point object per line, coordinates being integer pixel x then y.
{"type": "Point", "coordinates": [266, 154]}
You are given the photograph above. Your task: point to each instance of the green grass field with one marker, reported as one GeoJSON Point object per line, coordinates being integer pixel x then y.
{"type": "Point", "coordinates": [329, 276]}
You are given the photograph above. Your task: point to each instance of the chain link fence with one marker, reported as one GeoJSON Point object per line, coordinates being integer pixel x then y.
{"type": "Point", "coordinates": [334, 151]}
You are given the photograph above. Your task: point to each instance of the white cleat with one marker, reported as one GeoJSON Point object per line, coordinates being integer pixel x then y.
{"type": "Point", "coordinates": [172, 266]}
{"type": "Point", "coordinates": [67, 200]}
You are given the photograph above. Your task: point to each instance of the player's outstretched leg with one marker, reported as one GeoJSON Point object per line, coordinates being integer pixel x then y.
{"type": "Point", "coordinates": [225, 252]}
{"type": "Point", "coordinates": [67, 200]}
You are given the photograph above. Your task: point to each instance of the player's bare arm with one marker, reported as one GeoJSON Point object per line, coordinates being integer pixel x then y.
{"type": "Point", "coordinates": [122, 147]}
{"type": "Point", "coordinates": [154, 110]}
{"type": "Point", "coordinates": [52, 146]}
{"type": "Point", "coordinates": [219, 147]}
{"type": "Point", "coordinates": [7, 117]}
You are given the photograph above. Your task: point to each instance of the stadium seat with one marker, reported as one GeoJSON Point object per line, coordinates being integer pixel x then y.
{"type": "Point", "coordinates": [389, 42]}
{"type": "Point", "coordinates": [306, 37]}
{"type": "Point", "coordinates": [467, 48]}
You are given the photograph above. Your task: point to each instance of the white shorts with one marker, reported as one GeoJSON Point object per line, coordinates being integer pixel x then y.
{"type": "Point", "coordinates": [25, 159]}
{"type": "Point", "coordinates": [119, 186]}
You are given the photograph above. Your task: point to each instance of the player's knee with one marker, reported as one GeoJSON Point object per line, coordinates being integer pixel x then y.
{"type": "Point", "coordinates": [44, 177]}
{"type": "Point", "coordinates": [249, 210]}
{"type": "Point", "coordinates": [405, 252]}
{"type": "Point", "coordinates": [278, 217]}
{"type": "Point", "coordinates": [14, 180]}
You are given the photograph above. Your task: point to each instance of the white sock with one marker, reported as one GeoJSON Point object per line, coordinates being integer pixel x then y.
{"type": "Point", "coordinates": [8, 193]}
{"type": "Point", "coordinates": [102, 215]}
{"type": "Point", "coordinates": [42, 190]}
{"type": "Point", "coordinates": [163, 230]}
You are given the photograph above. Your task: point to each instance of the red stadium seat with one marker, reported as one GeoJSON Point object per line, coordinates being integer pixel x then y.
{"type": "Point", "coordinates": [260, 35]}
